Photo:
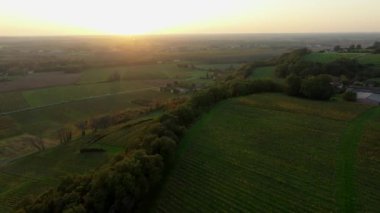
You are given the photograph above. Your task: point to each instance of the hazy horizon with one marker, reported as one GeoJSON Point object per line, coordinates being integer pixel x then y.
{"type": "Point", "coordinates": [41, 17]}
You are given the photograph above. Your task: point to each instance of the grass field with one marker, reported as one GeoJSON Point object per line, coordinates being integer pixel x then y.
{"type": "Point", "coordinates": [39, 80]}
{"type": "Point", "coordinates": [218, 66]}
{"type": "Point", "coordinates": [268, 153]}
{"type": "Point", "coordinates": [368, 167]}
{"type": "Point", "coordinates": [363, 58]}
{"type": "Point", "coordinates": [42, 97]}
{"type": "Point", "coordinates": [12, 101]}
{"type": "Point", "coordinates": [47, 119]}
{"type": "Point", "coordinates": [263, 73]}
{"type": "Point", "coordinates": [370, 59]}
{"type": "Point", "coordinates": [93, 83]}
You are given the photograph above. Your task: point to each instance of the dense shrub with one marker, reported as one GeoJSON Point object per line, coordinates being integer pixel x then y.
{"type": "Point", "coordinates": [293, 64]}
{"type": "Point", "coordinates": [293, 85]}
{"type": "Point", "coordinates": [317, 87]}
{"type": "Point", "coordinates": [350, 96]}
{"type": "Point", "coordinates": [114, 188]}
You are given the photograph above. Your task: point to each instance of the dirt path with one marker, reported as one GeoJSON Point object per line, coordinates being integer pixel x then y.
{"type": "Point", "coordinates": [346, 195]}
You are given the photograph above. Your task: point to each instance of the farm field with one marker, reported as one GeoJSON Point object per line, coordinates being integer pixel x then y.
{"type": "Point", "coordinates": [368, 167]}
{"type": "Point", "coordinates": [42, 111]}
{"type": "Point", "coordinates": [91, 83]}
{"type": "Point", "coordinates": [138, 72]}
{"type": "Point", "coordinates": [269, 152]}
{"type": "Point", "coordinates": [218, 66]}
{"type": "Point", "coordinates": [39, 80]}
{"type": "Point", "coordinates": [363, 58]}
{"type": "Point", "coordinates": [42, 97]}
{"type": "Point", "coordinates": [10, 101]}
{"type": "Point", "coordinates": [47, 119]}
{"type": "Point", "coordinates": [225, 55]}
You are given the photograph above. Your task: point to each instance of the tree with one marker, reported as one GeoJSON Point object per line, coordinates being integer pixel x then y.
{"type": "Point", "coordinates": [337, 48]}
{"type": "Point", "coordinates": [293, 85]}
{"type": "Point", "coordinates": [82, 125]}
{"type": "Point", "coordinates": [165, 147]}
{"type": "Point", "coordinates": [375, 47]}
{"type": "Point", "coordinates": [318, 87]}
{"type": "Point", "coordinates": [100, 122]}
{"type": "Point", "coordinates": [64, 135]}
{"type": "Point", "coordinates": [350, 96]}
{"type": "Point", "coordinates": [351, 48]}
{"type": "Point", "coordinates": [37, 142]}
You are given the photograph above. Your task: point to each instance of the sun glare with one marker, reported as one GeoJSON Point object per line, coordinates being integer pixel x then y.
{"type": "Point", "coordinates": [116, 17]}
{"type": "Point", "coordinates": [40, 17]}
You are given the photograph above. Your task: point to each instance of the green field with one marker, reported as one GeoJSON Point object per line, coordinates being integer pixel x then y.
{"type": "Point", "coordinates": [47, 119]}
{"type": "Point", "coordinates": [94, 82]}
{"type": "Point", "coordinates": [42, 97]}
{"type": "Point", "coordinates": [10, 101]}
{"type": "Point", "coordinates": [263, 73]}
{"type": "Point", "coordinates": [272, 153]}
{"type": "Point", "coordinates": [368, 167]}
{"type": "Point", "coordinates": [218, 66]}
{"type": "Point", "coordinates": [364, 58]}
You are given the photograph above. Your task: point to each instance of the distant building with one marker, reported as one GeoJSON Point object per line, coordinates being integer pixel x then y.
{"type": "Point", "coordinates": [368, 95]}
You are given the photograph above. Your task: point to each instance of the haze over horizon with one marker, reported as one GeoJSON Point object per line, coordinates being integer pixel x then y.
{"type": "Point", "coordinates": [114, 17]}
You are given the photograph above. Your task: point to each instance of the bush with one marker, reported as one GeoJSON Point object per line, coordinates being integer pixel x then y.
{"type": "Point", "coordinates": [318, 88]}
{"type": "Point", "coordinates": [350, 96]}
{"type": "Point", "coordinates": [293, 86]}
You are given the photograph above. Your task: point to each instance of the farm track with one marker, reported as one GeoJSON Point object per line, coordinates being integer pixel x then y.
{"type": "Point", "coordinates": [347, 160]}
{"type": "Point", "coordinates": [77, 100]}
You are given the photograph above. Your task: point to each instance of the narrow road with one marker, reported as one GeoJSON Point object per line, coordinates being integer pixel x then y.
{"type": "Point", "coordinates": [77, 100]}
{"type": "Point", "coordinates": [346, 193]}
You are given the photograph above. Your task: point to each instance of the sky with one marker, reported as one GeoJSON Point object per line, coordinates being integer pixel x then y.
{"type": "Point", "coordinates": [125, 17]}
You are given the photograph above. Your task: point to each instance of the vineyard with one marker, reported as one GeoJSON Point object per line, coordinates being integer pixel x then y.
{"type": "Point", "coordinates": [277, 155]}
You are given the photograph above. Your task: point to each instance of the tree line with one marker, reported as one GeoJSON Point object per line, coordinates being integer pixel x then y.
{"type": "Point", "coordinates": [122, 184]}
{"type": "Point", "coordinates": [316, 80]}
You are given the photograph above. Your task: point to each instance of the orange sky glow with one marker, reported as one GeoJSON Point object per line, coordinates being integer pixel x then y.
{"type": "Point", "coordinates": [90, 17]}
